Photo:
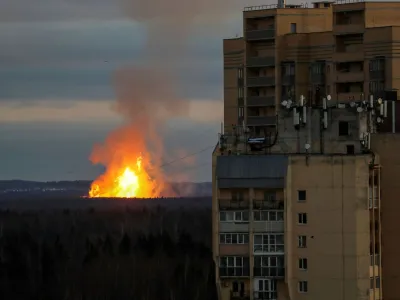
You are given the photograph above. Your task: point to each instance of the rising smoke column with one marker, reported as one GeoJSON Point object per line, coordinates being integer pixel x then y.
{"type": "Point", "coordinates": [148, 95]}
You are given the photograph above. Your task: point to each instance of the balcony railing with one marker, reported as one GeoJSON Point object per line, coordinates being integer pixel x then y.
{"type": "Point", "coordinates": [348, 56]}
{"type": "Point", "coordinates": [233, 204]}
{"type": "Point", "coordinates": [259, 61]}
{"type": "Point", "coordinates": [234, 271]}
{"type": "Point", "coordinates": [288, 79]}
{"type": "Point", "coordinates": [269, 271]}
{"type": "Point", "coordinates": [261, 34]}
{"type": "Point", "coordinates": [357, 76]}
{"type": "Point", "coordinates": [260, 81]}
{"type": "Point", "coordinates": [318, 78]}
{"type": "Point", "coordinates": [375, 260]}
{"type": "Point", "coordinates": [259, 101]}
{"type": "Point", "coordinates": [268, 204]}
{"type": "Point", "coordinates": [245, 295]}
{"type": "Point", "coordinates": [261, 120]}
{"type": "Point", "coordinates": [261, 295]}
{"type": "Point", "coordinates": [376, 75]}
{"type": "Point", "coordinates": [343, 29]}
{"type": "Point", "coordinates": [350, 97]}
{"type": "Point", "coordinates": [266, 249]}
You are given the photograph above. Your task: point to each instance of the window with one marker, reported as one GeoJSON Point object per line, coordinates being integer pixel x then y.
{"type": "Point", "coordinates": [350, 149]}
{"type": "Point", "coordinates": [234, 238]}
{"type": "Point", "coordinates": [293, 28]}
{"type": "Point", "coordinates": [240, 73]}
{"type": "Point", "coordinates": [303, 263]}
{"type": "Point", "coordinates": [343, 128]}
{"type": "Point", "coordinates": [267, 215]}
{"type": "Point", "coordinates": [302, 218]}
{"type": "Point", "coordinates": [303, 286]}
{"type": "Point", "coordinates": [266, 289]}
{"type": "Point", "coordinates": [269, 266]}
{"type": "Point", "coordinates": [241, 112]}
{"type": "Point", "coordinates": [233, 266]}
{"type": "Point", "coordinates": [301, 195]}
{"type": "Point", "coordinates": [268, 243]}
{"type": "Point", "coordinates": [269, 196]}
{"type": "Point", "coordinates": [234, 216]}
{"type": "Point", "coordinates": [377, 282]}
{"type": "Point", "coordinates": [240, 92]}
{"type": "Point", "coordinates": [238, 195]}
{"type": "Point", "coordinates": [302, 241]}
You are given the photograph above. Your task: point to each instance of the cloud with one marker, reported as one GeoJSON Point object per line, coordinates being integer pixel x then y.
{"type": "Point", "coordinates": [84, 111]}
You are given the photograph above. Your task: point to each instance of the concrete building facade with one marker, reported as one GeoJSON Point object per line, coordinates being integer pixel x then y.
{"type": "Point", "coordinates": [305, 171]}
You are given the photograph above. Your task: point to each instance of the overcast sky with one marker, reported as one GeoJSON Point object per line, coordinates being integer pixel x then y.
{"type": "Point", "coordinates": [57, 60]}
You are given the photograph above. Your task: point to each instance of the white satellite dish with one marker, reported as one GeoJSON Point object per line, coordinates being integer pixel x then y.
{"type": "Point", "coordinates": [378, 119]}
{"type": "Point", "coordinates": [307, 146]}
{"type": "Point", "coordinates": [359, 109]}
{"type": "Point", "coordinates": [380, 100]}
{"type": "Point", "coordinates": [284, 103]}
{"type": "Point", "coordinates": [352, 104]}
{"type": "Point", "coordinates": [328, 97]}
{"type": "Point", "coordinates": [289, 102]}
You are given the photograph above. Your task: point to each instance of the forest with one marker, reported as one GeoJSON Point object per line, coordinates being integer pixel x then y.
{"type": "Point", "coordinates": [109, 254]}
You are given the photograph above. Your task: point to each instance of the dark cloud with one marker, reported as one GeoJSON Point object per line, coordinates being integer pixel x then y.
{"type": "Point", "coordinates": [77, 61]}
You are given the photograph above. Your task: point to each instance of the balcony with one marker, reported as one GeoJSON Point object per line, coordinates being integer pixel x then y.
{"type": "Point", "coordinates": [377, 75]}
{"type": "Point", "coordinates": [349, 97]}
{"type": "Point", "coordinates": [260, 101]}
{"type": "Point", "coordinates": [343, 29]}
{"type": "Point", "coordinates": [288, 79]}
{"type": "Point", "coordinates": [260, 81]}
{"type": "Point", "coordinates": [318, 78]}
{"type": "Point", "coordinates": [261, 34]}
{"type": "Point", "coordinates": [343, 77]}
{"type": "Point", "coordinates": [275, 272]}
{"type": "Point", "coordinates": [234, 271]}
{"type": "Point", "coordinates": [268, 204]}
{"type": "Point", "coordinates": [269, 249]}
{"type": "Point", "coordinates": [261, 295]}
{"type": "Point", "coordinates": [268, 226]}
{"type": "Point", "coordinates": [240, 101]}
{"type": "Point", "coordinates": [261, 120]}
{"type": "Point", "coordinates": [348, 56]}
{"type": "Point", "coordinates": [233, 204]}
{"type": "Point", "coordinates": [258, 61]}
{"type": "Point", "coordinates": [245, 295]}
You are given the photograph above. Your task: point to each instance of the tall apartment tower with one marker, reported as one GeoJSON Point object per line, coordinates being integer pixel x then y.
{"type": "Point", "coordinates": [306, 173]}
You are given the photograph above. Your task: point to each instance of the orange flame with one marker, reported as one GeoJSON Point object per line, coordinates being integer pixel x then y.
{"type": "Point", "coordinates": [127, 182]}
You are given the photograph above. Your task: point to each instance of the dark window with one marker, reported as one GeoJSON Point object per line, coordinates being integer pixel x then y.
{"type": "Point", "coordinates": [343, 128]}
{"type": "Point", "coordinates": [350, 149]}
{"type": "Point", "coordinates": [235, 287]}
{"type": "Point", "coordinates": [293, 28]}
{"type": "Point", "coordinates": [301, 196]}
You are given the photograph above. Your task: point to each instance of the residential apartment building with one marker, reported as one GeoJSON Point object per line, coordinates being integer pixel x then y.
{"type": "Point", "coordinates": [305, 172]}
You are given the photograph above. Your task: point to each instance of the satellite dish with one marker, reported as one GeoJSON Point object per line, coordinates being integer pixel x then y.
{"type": "Point", "coordinates": [328, 97]}
{"type": "Point", "coordinates": [378, 119]}
{"type": "Point", "coordinates": [359, 109]}
{"type": "Point", "coordinates": [284, 103]}
{"type": "Point", "coordinates": [307, 146]}
{"type": "Point", "coordinates": [352, 104]}
{"type": "Point", "coordinates": [289, 102]}
{"type": "Point", "coordinates": [380, 101]}
{"type": "Point", "coordinates": [288, 105]}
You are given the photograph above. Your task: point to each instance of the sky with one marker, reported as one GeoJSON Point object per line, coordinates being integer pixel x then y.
{"type": "Point", "coordinates": [57, 64]}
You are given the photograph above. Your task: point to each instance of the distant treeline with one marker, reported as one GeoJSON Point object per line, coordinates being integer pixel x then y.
{"type": "Point", "coordinates": [92, 254]}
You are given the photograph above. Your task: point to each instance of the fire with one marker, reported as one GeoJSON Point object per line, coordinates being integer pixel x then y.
{"type": "Point", "coordinates": [131, 181]}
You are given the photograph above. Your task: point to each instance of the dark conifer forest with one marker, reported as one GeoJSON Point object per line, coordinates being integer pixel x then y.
{"type": "Point", "coordinates": [114, 254]}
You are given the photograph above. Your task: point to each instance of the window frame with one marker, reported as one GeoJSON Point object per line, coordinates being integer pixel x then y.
{"type": "Point", "coordinates": [303, 264]}
{"type": "Point", "coordinates": [341, 128]}
{"type": "Point", "coordinates": [228, 236]}
{"type": "Point", "coordinates": [299, 193]}
{"type": "Point", "coordinates": [234, 218]}
{"type": "Point", "coordinates": [302, 218]}
{"type": "Point", "coordinates": [302, 241]}
{"type": "Point", "coordinates": [269, 243]}
{"type": "Point", "coordinates": [268, 215]}
{"type": "Point", "coordinates": [303, 286]}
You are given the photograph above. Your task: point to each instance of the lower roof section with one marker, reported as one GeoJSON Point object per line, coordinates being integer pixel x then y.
{"type": "Point", "coordinates": [251, 171]}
